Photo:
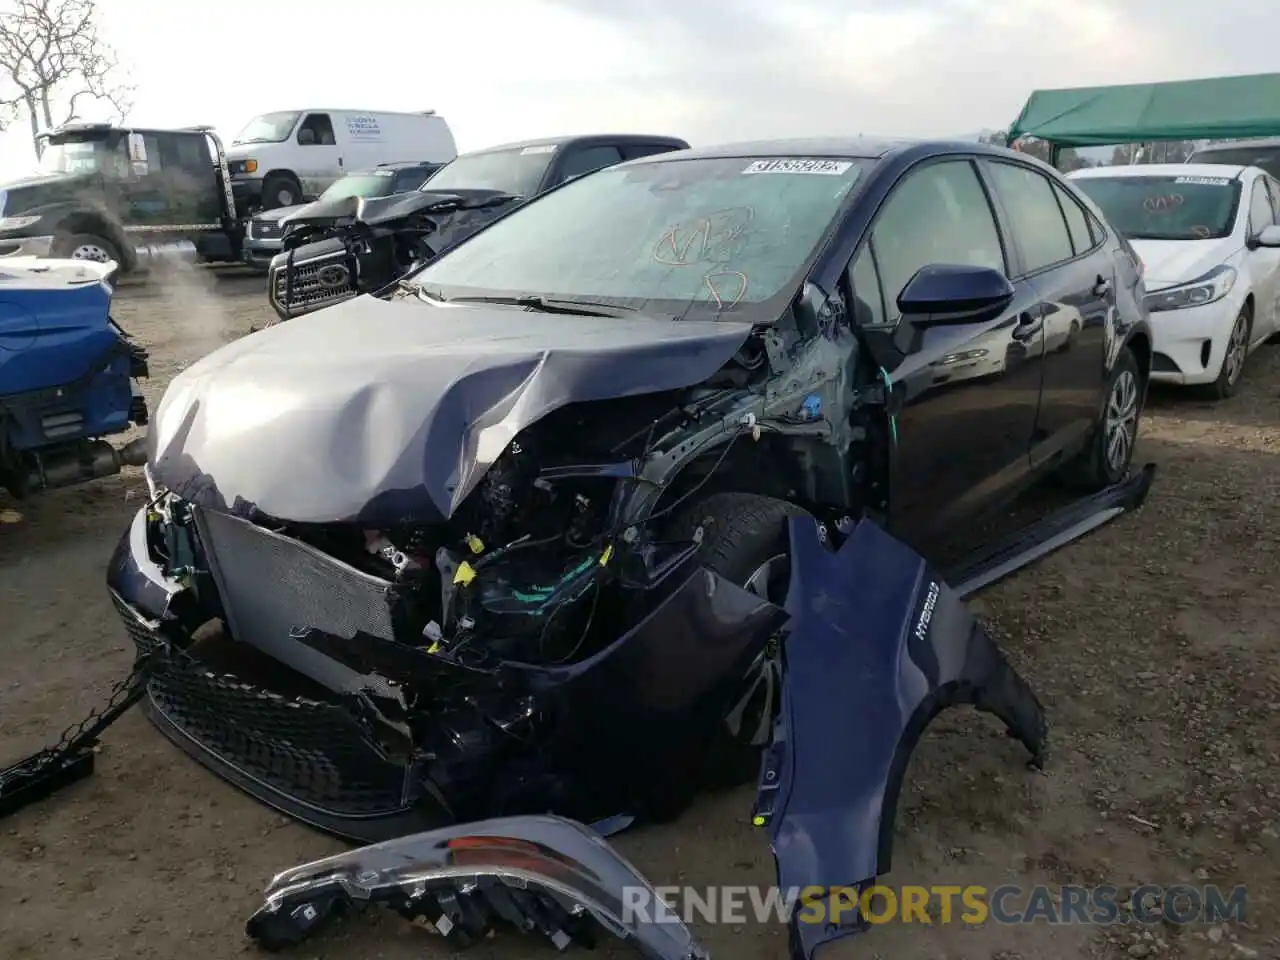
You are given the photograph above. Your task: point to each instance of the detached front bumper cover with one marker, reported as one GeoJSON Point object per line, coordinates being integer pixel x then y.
{"type": "Point", "coordinates": [538, 874]}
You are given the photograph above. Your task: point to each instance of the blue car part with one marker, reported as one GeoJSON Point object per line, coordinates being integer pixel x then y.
{"type": "Point", "coordinates": [876, 646]}
{"type": "Point", "coordinates": [66, 376]}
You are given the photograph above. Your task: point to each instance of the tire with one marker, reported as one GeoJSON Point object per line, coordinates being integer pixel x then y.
{"type": "Point", "coordinates": [280, 190]}
{"type": "Point", "coordinates": [88, 246]}
{"type": "Point", "coordinates": [1233, 358]}
{"type": "Point", "coordinates": [743, 534]}
{"type": "Point", "coordinates": [1097, 467]}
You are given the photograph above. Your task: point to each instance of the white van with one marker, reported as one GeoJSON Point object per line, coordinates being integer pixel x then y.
{"type": "Point", "coordinates": [280, 158]}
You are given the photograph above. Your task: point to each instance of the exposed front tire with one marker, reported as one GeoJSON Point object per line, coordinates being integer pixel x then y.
{"type": "Point", "coordinates": [745, 539]}
{"type": "Point", "coordinates": [280, 190]}
{"type": "Point", "coordinates": [1106, 460]}
{"type": "Point", "coordinates": [87, 246]}
{"type": "Point", "coordinates": [1234, 357]}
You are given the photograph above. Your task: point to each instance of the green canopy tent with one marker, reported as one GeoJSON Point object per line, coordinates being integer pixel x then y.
{"type": "Point", "coordinates": [1218, 108]}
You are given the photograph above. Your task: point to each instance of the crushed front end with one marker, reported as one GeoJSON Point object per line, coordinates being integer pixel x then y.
{"type": "Point", "coordinates": [521, 656]}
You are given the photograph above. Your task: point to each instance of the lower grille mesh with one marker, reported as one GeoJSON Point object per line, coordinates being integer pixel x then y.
{"type": "Point", "coordinates": [313, 753]}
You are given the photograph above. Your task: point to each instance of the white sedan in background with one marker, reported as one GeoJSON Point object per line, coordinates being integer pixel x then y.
{"type": "Point", "coordinates": [1209, 239]}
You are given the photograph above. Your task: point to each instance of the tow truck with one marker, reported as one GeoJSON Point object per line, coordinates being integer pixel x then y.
{"type": "Point", "coordinates": [126, 195]}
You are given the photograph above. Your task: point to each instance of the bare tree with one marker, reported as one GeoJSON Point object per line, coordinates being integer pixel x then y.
{"type": "Point", "coordinates": [52, 62]}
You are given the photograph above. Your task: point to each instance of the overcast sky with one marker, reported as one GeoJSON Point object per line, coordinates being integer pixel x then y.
{"type": "Point", "coordinates": [708, 70]}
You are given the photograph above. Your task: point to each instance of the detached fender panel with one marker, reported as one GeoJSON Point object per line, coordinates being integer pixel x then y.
{"type": "Point", "coordinates": [539, 874]}
{"type": "Point", "coordinates": [877, 645]}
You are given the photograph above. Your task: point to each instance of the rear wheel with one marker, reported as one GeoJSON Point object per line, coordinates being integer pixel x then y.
{"type": "Point", "coordinates": [745, 539]}
{"type": "Point", "coordinates": [280, 191]}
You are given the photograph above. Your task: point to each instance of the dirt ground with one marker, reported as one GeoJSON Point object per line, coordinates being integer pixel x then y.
{"type": "Point", "coordinates": [1152, 643]}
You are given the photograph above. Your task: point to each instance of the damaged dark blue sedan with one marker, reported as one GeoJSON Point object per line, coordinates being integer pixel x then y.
{"type": "Point", "coordinates": [635, 482]}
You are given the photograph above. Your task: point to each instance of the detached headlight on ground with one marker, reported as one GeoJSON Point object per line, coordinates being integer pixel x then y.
{"type": "Point", "coordinates": [1214, 285]}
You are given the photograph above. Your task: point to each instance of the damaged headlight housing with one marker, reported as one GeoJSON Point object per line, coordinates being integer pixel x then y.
{"type": "Point", "coordinates": [540, 874]}
{"type": "Point", "coordinates": [1213, 286]}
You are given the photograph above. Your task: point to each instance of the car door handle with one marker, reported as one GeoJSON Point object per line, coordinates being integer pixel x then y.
{"type": "Point", "coordinates": [1101, 288]}
{"type": "Point", "coordinates": [1028, 326]}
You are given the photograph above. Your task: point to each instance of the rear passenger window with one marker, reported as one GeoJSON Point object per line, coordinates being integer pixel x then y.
{"type": "Point", "coordinates": [588, 160]}
{"type": "Point", "coordinates": [1034, 214]}
{"type": "Point", "coordinates": [938, 214]}
{"type": "Point", "coordinates": [407, 180]}
{"type": "Point", "coordinates": [1077, 221]}
{"type": "Point", "coordinates": [633, 151]}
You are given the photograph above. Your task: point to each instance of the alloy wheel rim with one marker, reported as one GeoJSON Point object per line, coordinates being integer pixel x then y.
{"type": "Point", "coordinates": [1122, 420]}
{"type": "Point", "coordinates": [90, 251]}
{"type": "Point", "coordinates": [750, 720]}
{"type": "Point", "coordinates": [1235, 350]}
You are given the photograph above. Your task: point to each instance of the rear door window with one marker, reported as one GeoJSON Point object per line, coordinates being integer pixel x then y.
{"type": "Point", "coordinates": [583, 160]}
{"type": "Point", "coordinates": [1034, 214]}
{"type": "Point", "coordinates": [1082, 238]}
{"type": "Point", "coordinates": [410, 179]}
{"type": "Point", "coordinates": [633, 151]}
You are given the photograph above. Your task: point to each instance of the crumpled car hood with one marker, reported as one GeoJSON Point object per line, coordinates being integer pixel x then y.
{"type": "Point", "coordinates": [391, 411]}
{"type": "Point", "coordinates": [375, 211]}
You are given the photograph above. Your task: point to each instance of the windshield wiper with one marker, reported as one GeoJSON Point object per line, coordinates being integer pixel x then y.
{"type": "Point", "coordinates": [585, 308]}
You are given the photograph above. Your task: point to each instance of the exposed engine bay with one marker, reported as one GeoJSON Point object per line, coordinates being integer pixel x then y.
{"type": "Point", "coordinates": [353, 245]}
{"type": "Point", "coordinates": [455, 636]}
{"type": "Point", "coordinates": [517, 572]}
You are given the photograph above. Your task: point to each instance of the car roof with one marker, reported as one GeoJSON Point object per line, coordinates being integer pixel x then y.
{"type": "Point", "coordinates": [858, 148]}
{"type": "Point", "coordinates": [392, 165]}
{"type": "Point", "coordinates": [584, 140]}
{"type": "Point", "coordinates": [1163, 170]}
{"type": "Point", "coordinates": [1272, 143]}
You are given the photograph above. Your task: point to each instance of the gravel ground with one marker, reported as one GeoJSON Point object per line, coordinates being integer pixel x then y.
{"type": "Point", "coordinates": [1152, 644]}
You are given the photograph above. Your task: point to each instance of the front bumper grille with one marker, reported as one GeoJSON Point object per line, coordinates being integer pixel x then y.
{"type": "Point", "coordinates": [311, 282]}
{"type": "Point", "coordinates": [309, 754]}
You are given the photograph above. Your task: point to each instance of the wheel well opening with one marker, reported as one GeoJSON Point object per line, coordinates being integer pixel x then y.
{"type": "Point", "coordinates": [99, 226]}
{"type": "Point", "coordinates": [759, 467]}
{"type": "Point", "coordinates": [281, 174]}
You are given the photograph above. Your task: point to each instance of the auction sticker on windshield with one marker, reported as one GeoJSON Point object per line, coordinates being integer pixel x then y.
{"type": "Point", "coordinates": [827, 168]}
{"type": "Point", "coordinates": [1205, 181]}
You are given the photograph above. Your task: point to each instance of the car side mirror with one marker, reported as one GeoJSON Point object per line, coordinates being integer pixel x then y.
{"type": "Point", "coordinates": [1268, 237]}
{"type": "Point", "coordinates": [943, 293]}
